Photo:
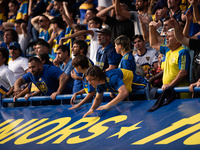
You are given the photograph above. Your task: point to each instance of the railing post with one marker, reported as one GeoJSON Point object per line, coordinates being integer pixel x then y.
{"type": "Point", "coordinates": [1, 100]}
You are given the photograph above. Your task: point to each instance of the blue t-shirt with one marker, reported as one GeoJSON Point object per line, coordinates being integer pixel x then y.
{"type": "Point", "coordinates": [78, 84]}
{"type": "Point", "coordinates": [67, 70]}
{"type": "Point", "coordinates": [128, 62]}
{"type": "Point", "coordinates": [107, 56]}
{"type": "Point", "coordinates": [47, 82]}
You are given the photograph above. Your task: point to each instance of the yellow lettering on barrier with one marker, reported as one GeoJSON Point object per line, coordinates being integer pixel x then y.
{"type": "Point", "coordinates": [17, 132]}
{"type": "Point", "coordinates": [97, 129]}
{"type": "Point", "coordinates": [193, 140]}
{"type": "Point", "coordinates": [61, 122]}
{"type": "Point", "coordinates": [192, 120]}
{"type": "Point", "coordinates": [6, 122]}
{"type": "Point", "coordinates": [6, 131]}
{"type": "Point", "coordinates": [180, 134]}
{"type": "Point", "coordinates": [64, 133]}
{"type": "Point", "coordinates": [125, 130]}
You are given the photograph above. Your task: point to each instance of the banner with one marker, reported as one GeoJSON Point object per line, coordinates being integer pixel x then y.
{"type": "Point", "coordinates": [125, 126]}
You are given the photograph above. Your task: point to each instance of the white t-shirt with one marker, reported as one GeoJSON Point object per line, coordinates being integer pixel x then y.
{"type": "Point", "coordinates": [18, 66]}
{"type": "Point", "coordinates": [23, 41]}
{"type": "Point", "coordinates": [7, 78]}
{"type": "Point", "coordinates": [105, 3]}
{"type": "Point", "coordinates": [148, 59]}
{"type": "Point", "coordinates": [94, 45]}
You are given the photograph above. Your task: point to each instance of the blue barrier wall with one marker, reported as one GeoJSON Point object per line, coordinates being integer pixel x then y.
{"type": "Point", "coordinates": [127, 125]}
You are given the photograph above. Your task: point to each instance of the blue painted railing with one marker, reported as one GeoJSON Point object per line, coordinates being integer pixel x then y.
{"type": "Point", "coordinates": [69, 96]}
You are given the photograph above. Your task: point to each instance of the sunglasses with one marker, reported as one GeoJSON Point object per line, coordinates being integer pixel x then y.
{"type": "Point", "coordinates": [13, 48]}
{"type": "Point", "coordinates": [40, 20]}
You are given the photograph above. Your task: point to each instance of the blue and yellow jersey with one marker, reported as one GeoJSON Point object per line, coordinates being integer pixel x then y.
{"type": "Point", "coordinates": [107, 56]}
{"type": "Point", "coordinates": [194, 26]}
{"type": "Point", "coordinates": [174, 62]}
{"type": "Point", "coordinates": [115, 78]}
{"type": "Point", "coordinates": [33, 88]}
{"type": "Point", "coordinates": [87, 40]}
{"type": "Point", "coordinates": [23, 10]}
{"type": "Point", "coordinates": [78, 84]}
{"type": "Point", "coordinates": [83, 8]}
{"type": "Point", "coordinates": [45, 34]}
{"type": "Point", "coordinates": [12, 18]}
{"type": "Point", "coordinates": [128, 62]}
{"type": "Point", "coordinates": [56, 43]}
{"type": "Point", "coordinates": [69, 31]}
{"type": "Point", "coordinates": [3, 90]}
{"type": "Point", "coordinates": [87, 87]}
{"type": "Point", "coordinates": [2, 18]}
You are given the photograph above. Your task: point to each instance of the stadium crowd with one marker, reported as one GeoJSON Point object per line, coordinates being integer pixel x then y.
{"type": "Point", "coordinates": [53, 47]}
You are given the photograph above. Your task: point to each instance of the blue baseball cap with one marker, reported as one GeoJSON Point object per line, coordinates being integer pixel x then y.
{"type": "Point", "coordinates": [15, 45]}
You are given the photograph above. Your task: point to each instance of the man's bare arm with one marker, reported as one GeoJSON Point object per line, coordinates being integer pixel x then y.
{"type": "Point", "coordinates": [178, 33]}
{"type": "Point", "coordinates": [20, 81]}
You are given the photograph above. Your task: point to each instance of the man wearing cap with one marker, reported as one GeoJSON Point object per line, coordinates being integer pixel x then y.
{"type": "Point", "coordinates": [107, 58]}
{"type": "Point", "coordinates": [18, 64]}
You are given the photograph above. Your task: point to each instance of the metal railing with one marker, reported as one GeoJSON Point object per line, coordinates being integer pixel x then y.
{"type": "Point", "coordinates": [69, 96]}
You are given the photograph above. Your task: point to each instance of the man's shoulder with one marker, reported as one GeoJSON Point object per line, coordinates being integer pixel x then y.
{"type": "Point", "coordinates": [46, 67]}
{"type": "Point", "coordinates": [20, 58]}
{"type": "Point", "coordinates": [110, 47]}
{"type": "Point", "coordinates": [4, 69]}
{"type": "Point", "coordinates": [151, 50]}
{"type": "Point", "coordinates": [181, 49]}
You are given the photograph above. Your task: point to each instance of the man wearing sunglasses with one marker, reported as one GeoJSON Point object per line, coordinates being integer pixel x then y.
{"type": "Point", "coordinates": [42, 24]}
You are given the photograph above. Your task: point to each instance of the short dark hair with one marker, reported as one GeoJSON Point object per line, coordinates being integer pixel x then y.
{"type": "Point", "coordinates": [94, 10]}
{"type": "Point", "coordinates": [15, 2]}
{"type": "Point", "coordinates": [80, 27]}
{"type": "Point", "coordinates": [44, 17]}
{"type": "Point", "coordinates": [14, 34]}
{"type": "Point", "coordinates": [59, 21]}
{"type": "Point", "coordinates": [83, 45]}
{"type": "Point", "coordinates": [45, 57]}
{"type": "Point", "coordinates": [36, 59]}
{"type": "Point", "coordinates": [95, 72]}
{"type": "Point", "coordinates": [19, 21]}
{"type": "Point", "coordinates": [97, 20]}
{"type": "Point", "coordinates": [138, 36]}
{"type": "Point", "coordinates": [80, 60]}
{"type": "Point", "coordinates": [64, 48]}
{"type": "Point", "coordinates": [5, 54]}
{"type": "Point", "coordinates": [59, 0]}
{"type": "Point", "coordinates": [43, 43]}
